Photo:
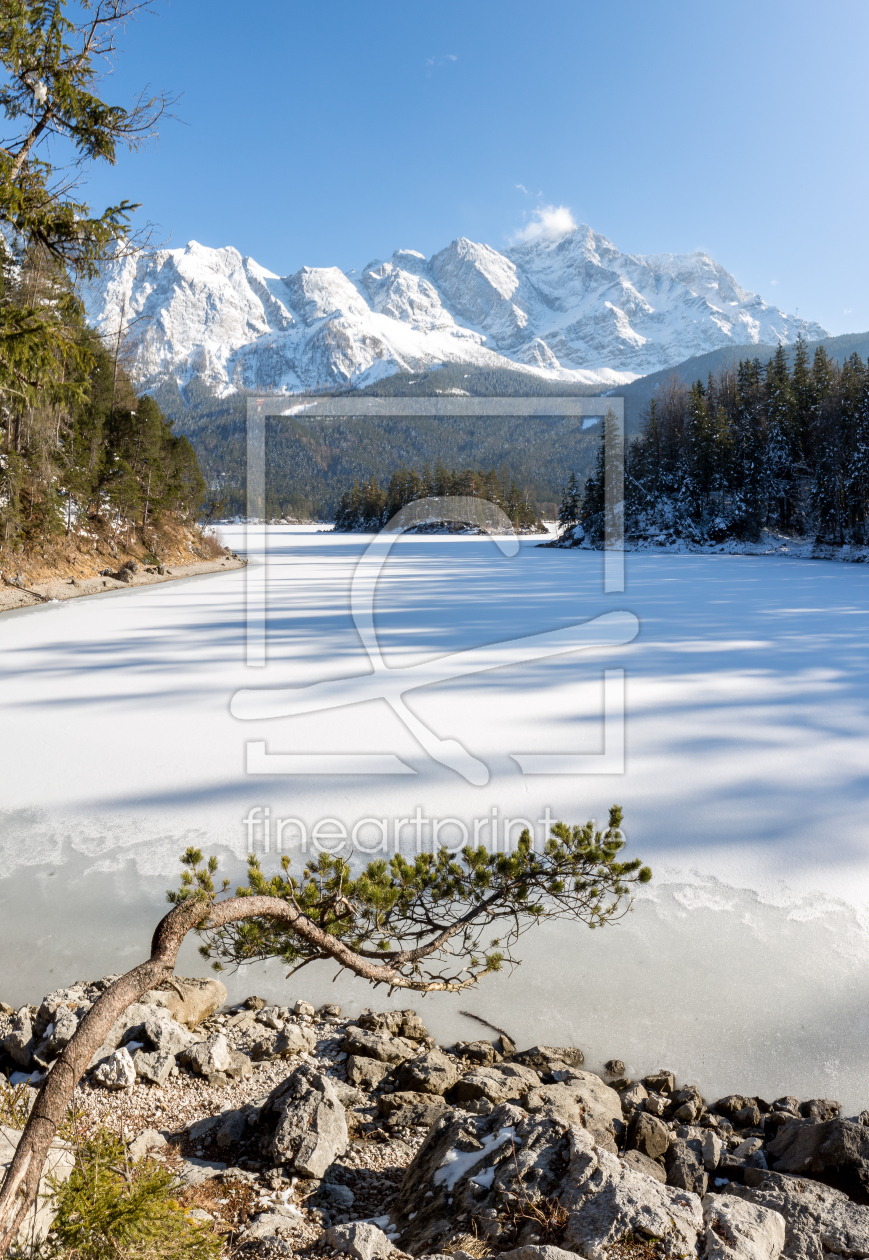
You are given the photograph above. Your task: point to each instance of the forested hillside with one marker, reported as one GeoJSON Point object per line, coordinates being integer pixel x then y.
{"type": "Point", "coordinates": [369, 506]}
{"type": "Point", "coordinates": [762, 447]}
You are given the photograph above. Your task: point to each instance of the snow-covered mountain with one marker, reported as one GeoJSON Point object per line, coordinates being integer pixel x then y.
{"type": "Point", "coordinates": [570, 309]}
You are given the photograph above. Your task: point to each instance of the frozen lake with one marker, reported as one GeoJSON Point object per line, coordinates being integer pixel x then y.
{"type": "Point", "coordinates": [744, 786]}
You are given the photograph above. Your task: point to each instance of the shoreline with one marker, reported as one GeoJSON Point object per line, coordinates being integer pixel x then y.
{"type": "Point", "coordinates": [59, 590]}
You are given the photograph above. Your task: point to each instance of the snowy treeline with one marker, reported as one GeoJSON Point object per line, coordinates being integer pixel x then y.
{"type": "Point", "coordinates": [368, 506]}
{"type": "Point", "coordinates": [763, 447]}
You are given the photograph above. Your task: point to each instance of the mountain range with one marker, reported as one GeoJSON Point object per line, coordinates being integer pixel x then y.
{"type": "Point", "coordinates": [573, 309]}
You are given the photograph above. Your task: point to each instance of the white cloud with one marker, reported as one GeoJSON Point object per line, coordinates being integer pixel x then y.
{"type": "Point", "coordinates": [548, 223]}
{"type": "Point", "coordinates": [522, 188]}
{"type": "Point", "coordinates": [849, 310]}
{"type": "Point", "coordinates": [773, 283]}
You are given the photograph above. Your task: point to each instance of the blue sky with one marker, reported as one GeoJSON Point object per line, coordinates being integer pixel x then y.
{"type": "Point", "coordinates": [333, 133]}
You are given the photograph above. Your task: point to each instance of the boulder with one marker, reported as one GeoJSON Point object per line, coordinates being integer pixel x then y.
{"type": "Point", "coordinates": [543, 1252]}
{"type": "Point", "coordinates": [633, 1097]}
{"type": "Point", "coordinates": [312, 1126]}
{"type": "Point", "coordinates": [303, 1008]}
{"type": "Point", "coordinates": [711, 1149]}
{"type": "Point", "coordinates": [117, 1071]}
{"type": "Point", "coordinates": [58, 1033]}
{"type": "Point", "coordinates": [468, 1165]}
{"type": "Point", "coordinates": [404, 1109]}
{"type": "Point", "coordinates": [497, 1084]}
{"type": "Point", "coordinates": [432, 1073]}
{"type": "Point", "coordinates": [293, 1039]}
{"type": "Point", "coordinates": [397, 1023]}
{"type": "Point", "coordinates": [649, 1135]}
{"type": "Point", "coordinates": [189, 1000]}
{"type": "Point", "coordinates": [820, 1109]}
{"type": "Point", "coordinates": [148, 1140]}
{"type": "Point", "coordinates": [660, 1082]}
{"type": "Point", "coordinates": [129, 1026]}
{"type": "Point", "coordinates": [165, 1034]}
{"type": "Point", "coordinates": [377, 1045]}
{"type": "Point", "coordinates": [687, 1104]}
{"type": "Point", "coordinates": [582, 1099]}
{"type": "Point", "coordinates": [59, 1164]}
{"type": "Point", "coordinates": [360, 1239]}
{"type": "Point", "coordinates": [819, 1221]}
{"type": "Point", "coordinates": [153, 1067]}
{"type": "Point", "coordinates": [540, 1057]}
{"type": "Point", "coordinates": [607, 1200]}
{"type": "Point", "coordinates": [739, 1230]}
{"type": "Point", "coordinates": [641, 1163]}
{"type": "Point", "coordinates": [214, 1057]}
{"type": "Point", "coordinates": [482, 1052]}
{"type": "Point", "coordinates": [367, 1073]}
{"type": "Point", "coordinates": [21, 1042]}
{"type": "Point", "coordinates": [834, 1151]}
{"type": "Point", "coordinates": [685, 1168]}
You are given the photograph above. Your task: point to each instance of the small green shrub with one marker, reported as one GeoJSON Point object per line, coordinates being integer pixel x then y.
{"type": "Point", "coordinates": [113, 1209]}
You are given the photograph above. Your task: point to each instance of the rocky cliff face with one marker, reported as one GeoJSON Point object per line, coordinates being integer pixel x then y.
{"type": "Point", "coordinates": [573, 309]}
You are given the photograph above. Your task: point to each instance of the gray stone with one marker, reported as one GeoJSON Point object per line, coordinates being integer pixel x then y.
{"type": "Point", "coordinates": [117, 1071]}
{"type": "Point", "coordinates": [711, 1148]}
{"type": "Point", "coordinates": [432, 1073]}
{"type": "Point", "coordinates": [377, 1045]}
{"type": "Point", "coordinates": [404, 1109]}
{"type": "Point", "coordinates": [471, 1164]}
{"type": "Point", "coordinates": [582, 1099]}
{"type": "Point", "coordinates": [21, 1042]}
{"type": "Point", "coordinates": [312, 1130]}
{"type": "Point", "coordinates": [193, 1172]}
{"type": "Point", "coordinates": [291, 1041]}
{"type": "Point", "coordinates": [165, 1034]}
{"type": "Point", "coordinates": [820, 1109]}
{"type": "Point", "coordinates": [685, 1168]}
{"type": "Point", "coordinates": [349, 1095]}
{"type": "Point", "coordinates": [303, 1008]}
{"type": "Point", "coordinates": [836, 1149]}
{"type": "Point", "coordinates": [215, 1057]}
{"type": "Point", "coordinates": [649, 1135]}
{"type": "Point", "coordinates": [59, 1163]}
{"type": "Point", "coordinates": [660, 1082]}
{"type": "Point", "coordinates": [368, 1073]}
{"type": "Point", "coordinates": [360, 1239]}
{"type": "Point", "coordinates": [148, 1140]}
{"type": "Point", "coordinates": [607, 1199]}
{"type": "Point", "coordinates": [397, 1023]}
{"type": "Point", "coordinates": [633, 1097]}
{"type": "Point", "coordinates": [497, 1084]}
{"type": "Point", "coordinates": [541, 1056]}
{"type": "Point", "coordinates": [188, 1000]}
{"type": "Point", "coordinates": [482, 1052]}
{"type": "Point", "coordinates": [58, 1033]}
{"type": "Point", "coordinates": [544, 1252]}
{"type": "Point", "coordinates": [641, 1163]}
{"type": "Point", "coordinates": [819, 1221]}
{"type": "Point", "coordinates": [153, 1067]}
{"type": "Point", "coordinates": [739, 1230]}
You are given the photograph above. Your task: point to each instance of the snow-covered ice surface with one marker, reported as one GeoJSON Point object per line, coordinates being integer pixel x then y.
{"type": "Point", "coordinates": [742, 967]}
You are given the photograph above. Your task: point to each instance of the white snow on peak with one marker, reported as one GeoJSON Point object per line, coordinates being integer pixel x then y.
{"type": "Point", "coordinates": [566, 307]}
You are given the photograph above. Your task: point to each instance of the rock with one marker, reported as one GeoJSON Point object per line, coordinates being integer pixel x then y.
{"type": "Point", "coordinates": [349, 1095]}
{"type": "Point", "coordinates": [607, 1200]}
{"type": "Point", "coordinates": [360, 1239]}
{"type": "Point", "coordinates": [787, 1103]}
{"type": "Point", "coordinates": [272, 1017]}
{"type": "Point", "coordinates": [303, 1008]}
{"type": "Point", "coordinates": [377, 1045]}
{"type": "Point", "coordinates": [583, 1099]}
{"type": "Point", "coordinates": [58, 1033]}
{"type": "Point", "coordinates": [649, 1135]}
{"type": "Point", "coordinates": [482, 1052]}
{"type": "Point", "coordinates": [685, 1168]}
{"type": "Point", "coordinates": [835, 1151]}
{"type": "Point", "coordinates": [404, 1109]}
{"type": "Point", "coordinates": [746, 1148]}
{"type": "Point", "coordinates": [188, 1000]}
{"type": "Point", "coordinates": [732, 1103]}
{"type": "Point", "coordinates": [540, 1057]}
{"type": "Point", "coordinates": [614, 1068]}
{"type": "Point", "coordinates": [396, 1023]}
{"type": "Point", "coordinates": [329, 1011]}
{"type": "Point", "coordinates": [820, 1109]}
{"type": "Point", "coordinates": [660, 1082]}
{"type": "Point", "coordinates": [254, 1003]}
{"type": "Point", "coordinates": [193, 1172]}
{"type": "Point", "coordinates": [711, 1148]}
{"type": "Point", "coordinates": [129, 1026]}
{"type": "Point", "coordinates": [432, 1073]}
{"type": "Point", "coordinates": [748, 1117]}
{"type": "Point", "coordinates": [736, 1228]}
{"type": "Point", "coordinates": [468, 1165]}
{"type": "Point", "coordinates": [819, 1221]}
{"type": "Point", "coordinates": [641, 1163]}
{"type": "Point", "coordinates": [153, 1067]}
{"type": "Point", "coordinates": [293, 1039]}
{"type": "Point", "coordinates": [545, 1252]}
{"type": "Point", "coordinates": [215, 1057]}
{"type": "Point", "coordinates": [632, 1097]}
{"type": "Point", "coordinates": [165, 1034]}
{"type": "Point", "coordinates": [312, 1129]}
{"type": "Point", "coordinates": [20, 1043]}
{"type": "Point", "coordinates": [497, 1084]}
{"type": "Point", "coordinates": [117, 1071]}
{"type": "Point", "coordinates": [366, 1072]}
{"type": "Point", "coordinates": [148, 1140]}
{"type": "Point", "coordinates": [657, 1105]}
{"type": "Point", "coordinates": [687, 1104]}
{"type": "Point", "coordinates": [123, 575]}
{"type": "Point", "coordinates": [233, 1125]}
{"type": "Point", "coordinates": [59, 1163]}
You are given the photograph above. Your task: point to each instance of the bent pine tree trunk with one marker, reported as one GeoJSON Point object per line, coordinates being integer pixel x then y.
{"type": "Point", "coordinates": [21, 1183]}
